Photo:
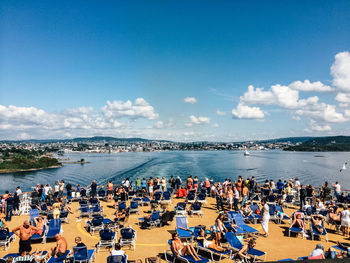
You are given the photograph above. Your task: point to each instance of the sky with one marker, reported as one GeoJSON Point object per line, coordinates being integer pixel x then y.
{"type": "Point", "coordinates": [178, 70]}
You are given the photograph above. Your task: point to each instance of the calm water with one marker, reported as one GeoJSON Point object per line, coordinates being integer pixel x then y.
{"type": "Point", "coordinates": [313, 168]}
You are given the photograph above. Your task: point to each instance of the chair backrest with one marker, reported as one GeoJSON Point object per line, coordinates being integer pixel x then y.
{"type": "Point", "coordinates": [254, 207]}
{"type": "Point", "coordinates": [191, 196]}
{"type": "Point", "coordinates": [289, 198]}
{"type": "Point", "coordinates": [80, 253]}
{"type": "Point", "coordinates": [64, 214]}
{"type": "Point", "coordinates": [181, 206]}
{"type": "Point", "coordinates": [43, 207]}
{"type": "Point", "coordinates": [238, 219]}
{"type": "Point", "coordinates": [122, 205]}
{"type": "Point", "coordinates": [55, 224]}
{"type": "Point", "coordinates": [33, 213]}
{"type": "Point", "coordinates": [101, 193]}
{"type": "Point", "coordinates": [134, 205]}
{"type": "Point", "coordinates": [93, 200]}
{"type": "Point", "coordinates": [127, 233]}
{"type": "Point", "coordinates": [4, 234]}
{"type": "Point", "coordinates": [107, 234]}
{"type": "Point", "coordinates": [83, 202]}
{"type": "Point", "coordinates": [232, 239]}
{"type": "Point", "coordinates": [84, 208]}
{"type": "Point", "coordinates": [278, 208]}
{"type": "Point", "coordinates": [196, 206]}
{"type": "Point", "coordinates": [201, 197]}
{"type": "Point", "coordinates": [271, 198]}
{"type": "Point", "coordinates": [181, 221]}
{"type": "Point", "coordinates": [154, 216]}
{"type": "Point", "coordinates": [157, 196]}
{"type": "Point", "coordinates": [97, 220]}
{"type": "Point", "coordinates": [166, 195]}
{"type": "Point", "coordinates": [116, 259]}
{"type": "Point", "coordinates": [266, 192]}
{"type": "Point", "coordinates": [272, 209]}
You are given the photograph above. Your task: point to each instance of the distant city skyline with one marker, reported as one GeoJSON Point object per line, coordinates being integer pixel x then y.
{"type": "Point", "coordinates": [180, 71]}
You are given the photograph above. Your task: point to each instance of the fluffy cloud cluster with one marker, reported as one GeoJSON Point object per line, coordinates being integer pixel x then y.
{"type": "Point", "coordinates": [84, 120]}
{"type": "Point", "coordinates": [193, 120]}
{"type": "Point", "coordinates": [288, 98]}
{"type": "Point", "coordinates": [191, 100]}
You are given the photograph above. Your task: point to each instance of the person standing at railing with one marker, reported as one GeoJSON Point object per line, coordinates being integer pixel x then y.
{"type": "Point", "coordinates": [302, 196]}
{"type": "Point", "coordinates": [9, 207]}
{"type": "Point", "coordinates": [61, 189]}
{"type": "Point", "coordinates": [138, 184]}
{"type": "Point", "coordinates": [337, 189]}
{"type": "Point", "coordinates": [69, 189]}
{"type": "Point", "coordinates": [93, 188]}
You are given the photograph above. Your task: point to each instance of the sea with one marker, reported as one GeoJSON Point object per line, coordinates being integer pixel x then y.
{"type": "Point", "coordinates": [310, 168]}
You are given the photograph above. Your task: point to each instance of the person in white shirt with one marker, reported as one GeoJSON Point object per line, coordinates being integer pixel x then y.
{"type": "Point", "coordinates": [297, 183]}
{"type": "Point", "coordinates": [345, 221]}
{"type": "Point", "coordinates": [319, 250]}
{"type": "Point", "coordinates": [337, 189]}
{"type": "Point", "coordinates": [18, 191]}
{"type": "Point", "coordinates": [119, 252]}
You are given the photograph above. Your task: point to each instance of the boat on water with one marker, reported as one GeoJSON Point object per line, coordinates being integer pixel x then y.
{"type": "Point", "coordinates": [246, 153]}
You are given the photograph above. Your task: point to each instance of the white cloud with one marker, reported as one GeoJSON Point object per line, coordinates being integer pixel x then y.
{"type": "Point", "coordinates": [220, 113]}
{"type": "Point", "coordinates": [245, 112]}
{"type": "Point", "coordinates": [340, 71]}
{"type": "Point", "coordinates": [323, 112]}
{"type": "Point", "coordinates": [191, 100]}
{"type": "Point", "coordinates": [119, 109]}
{"type": "Point", "coordinates": [310, 86]}
{"type": "Point", "coordinates": [257, 96]}
{"type": "Point", "coordinates": [215, 125]}
{"type": "Point", "coordinates": [164, 125]}
{"type": "Point", "coordinates": [193, 120]}
{"type": "Point", "coordinates": [343, 97]}
{"type": "Point", "coordinates": [320, 128]}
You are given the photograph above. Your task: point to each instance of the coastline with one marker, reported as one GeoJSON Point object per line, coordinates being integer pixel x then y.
{"type": "Point", "coordinates": [7, 171]}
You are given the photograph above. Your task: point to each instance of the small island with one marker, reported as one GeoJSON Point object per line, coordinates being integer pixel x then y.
{"type": "Point", "coordinates": [22, 160]}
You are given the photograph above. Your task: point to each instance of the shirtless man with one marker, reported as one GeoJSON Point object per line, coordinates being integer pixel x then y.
{"type": "Point", "coordinates": [60, 249]}
{"type": "Point", "coordinates": [25, 232]}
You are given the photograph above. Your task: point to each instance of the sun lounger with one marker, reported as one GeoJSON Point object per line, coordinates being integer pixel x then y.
{"type": "Point", "coordinates": [180, 209]}
{"type": "Point", "coordinates": [145, 201]}
{"type": "Point", "coordinates": [182, 229]}
{"type": "Point", "coordinates": [237, 245]}
{"type": "Point", "coordinates": [33, 213]}
{"type": "Point", "coordinates": [58, 259]}
{"type": "Point", "coordinates": [191, 198]}
{"type": "Point", "coordinates": [83, 255]}
{"type": "Point", "coordinates": [37, 237]}
{"type": "Point", "coordinates": [167, 197]}
{"type": "Point", "coordinates": [186, 258]}
{"type": "Point", "coordinates": [212, 252]}
{"type": "Point", "coordinates": [196, 209]}
{"type": "Point", "coordinates": [127, 237]}
{"type": "Point", "coordinates": [84, 211]}
{"type": "Point", "coordinates": [6, 238]}
{"type": "Point", "coordinates": [134, 207]}
{"type": "Point", "coordinates": [297, 230]}
{"type": "Point", "coordinates": [53, 229]}
{"type": "Point", "coordinates": [95, 224]}
{"type": "Point", "coordinates": [280, 215]}
{"type": "Point", "coordinates": [286, 259]}
{"type": "Point", "coordinates": [107, 239]}
{"type": "Point", "coordinates": [315, 233]}
{"type": "Point", "coordinates": [157, 196]}
{"type": "Point", "coordinates": [238, 218]}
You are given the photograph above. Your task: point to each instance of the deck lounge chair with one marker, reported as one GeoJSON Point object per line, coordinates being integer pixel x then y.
{"type": "Point", "coordinates": [157, 196]}
{"type": "Point", "coordinates": [95, 224]}
{"type": "Point", "coordinates": [121, 206]}
{"type": "Point", "coordinates": [315, 233]}
{"type": "Point", "coordinates": [37, 237]}
{"type": "Point", "coordinates": [128, 237]}
{"type": "Point", "coordinates": [191, 198]}
{"type": "Point", "coordinates": [145, 201]}
{"type": "Point", "coordinates": [134, 207]}
{"type": "Point", "coordinates": [254, 217]}
{"type": "Point", "coordinates": [59, 259]}
{"type": "Point", "coordinates": [101, 194]}
{"type": "Point", "coordinates": [84, 211]}
{"type": "Point", "coordinates": [33, 213]}
{"type": "Point", "coordinates": [83, 255]}
{"type": "Point", "coordinates": [53, 229]}
{"type": "Point", "coordinates": [107, 239]}
{"type": "Point", "coordinates": [237, 245]}
{"type": "Point", "coordinates": [297, 230]}
{"type": "Point", "coordinates": [96, 210]}
{"type": "Point", "coordinates": [286, 259]}
{"type": "Point", "coordinates": [167, 197]}
{"type": "Point", "coordinates": [186, 258]}
{"type": "Point", "coordinates": [180, 209]}
{"type": "Point", "coordinates": [64, 216]}
{"type": "Point", "coordinates": [182, 229]}
{"type": "Point", "coordinates": [279, 213]}
{"type": "Point", "coordinates": [201, 198]}
{"type": "Point", "coordinates": [212, 252]}
{"type": "Point", "coordinates": [238, 218]}
{"type": "Point", "coordinates": [6, 238]}
{"type": "Point", "coordinates": [196, 209]}
{"type": "Point", "coordinates": [236, 230]}
{"type": "Point", "coordinates": [117, 259]}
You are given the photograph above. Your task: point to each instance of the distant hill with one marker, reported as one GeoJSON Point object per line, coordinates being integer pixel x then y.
{"type": "Point", "coordinates": [292, 140]}
{"type": "Point", "coordinates": [323, 144]}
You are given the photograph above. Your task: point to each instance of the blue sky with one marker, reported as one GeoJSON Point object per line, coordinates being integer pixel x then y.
{"type": "Point", "coordinates": [61, 61]}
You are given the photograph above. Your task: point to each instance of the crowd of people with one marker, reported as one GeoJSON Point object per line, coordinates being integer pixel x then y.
{"type": "Point", "coordinates": [325, 203]}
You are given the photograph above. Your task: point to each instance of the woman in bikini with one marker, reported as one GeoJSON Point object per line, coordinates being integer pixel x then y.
{"type": "Point", "coordinates": [219, 229]}
{"type": "Point", "coordinates": [298, 222]}
{"type": "Point", "coordinates": [56, 209]}
{"type": "Point", "coordinates": [208, 244]}
{"type": "Point", "coordinates": [180, 249]}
